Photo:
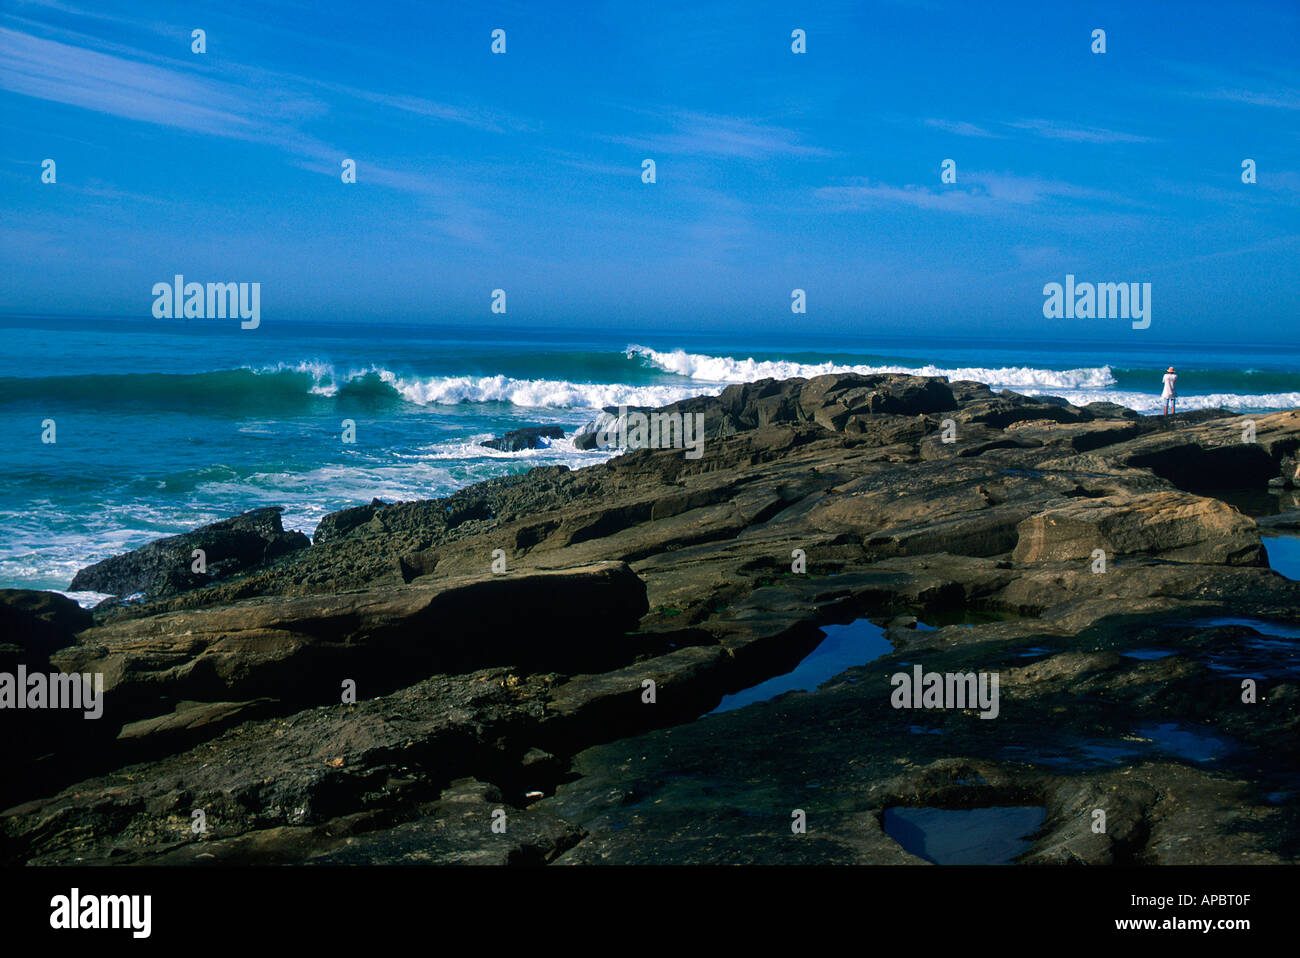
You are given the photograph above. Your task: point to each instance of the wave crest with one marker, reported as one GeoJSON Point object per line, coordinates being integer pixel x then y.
{"type": "Point", "coordinates": [451, 390]}
{"type": "Point", "coordinates": [294, 386]}
{"type": "Point", "coordinates": [726, 369]}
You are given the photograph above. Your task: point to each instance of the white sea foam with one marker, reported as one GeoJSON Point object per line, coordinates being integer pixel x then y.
{"type": "Point", "coordinates": [1151, 403]}
{"type": "Point", "coordinates": [438, 469]}
{"type": "Point", "coordinates": [87, 600]}
{"type": "Point", "coordinates": [725, 369]}
{"type": "Point", "coordinates": [708, 375]}
{"type": "Point", "coordinates": [535, 393]}
{"type": "Point", "coordinates": [550, 451]}
{"type": "Point", "coordinates": [1078, 386]}
{"type": "Point", "coordinates": [451, 390]}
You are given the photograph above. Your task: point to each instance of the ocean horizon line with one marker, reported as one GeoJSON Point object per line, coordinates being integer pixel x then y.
{"type": "Point", "coordinates": [813, 337]}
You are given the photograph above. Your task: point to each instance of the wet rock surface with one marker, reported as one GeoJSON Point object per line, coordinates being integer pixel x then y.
{"type": "Point", "coordinates": [517, 440]}
{"type": "Point", "coordinates": [542, 648]}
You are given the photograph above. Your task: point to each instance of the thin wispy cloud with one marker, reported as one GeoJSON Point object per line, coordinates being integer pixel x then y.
{"type": "Point", "coordinates": [1052, 130]}
{"type": "Point", "coordinates": [586, 164]}
{"type": "Point", "coordinates": [961, 128]}
{"type": "Point", "coordinates": [73, 10]}
{"type": "Point", "coordinates": [1274, 189]}
{"type": "Point", "coordinates": [1273, 95]}
{"type": "Point", "coordinates": [1027, 190]}
{"type": "Point", "coordinates": [1282, 99]}
{"type": "Point", "coordinates": [867, 195]}
{"type": "Point", "coordinates": [979, 192]}
{"type": "Point", "coordinates": [1276, 89]}
{"type": "Point", "coordinates": [481, 119]}
{"type": "Point", "coordinates": [132, 89]}
{"type": "Point", "coordinates": [703, 134]}
{"type": "Point", "coordinates": [262, 107]}
{"type": "Point", "coordinates": [256, 106]}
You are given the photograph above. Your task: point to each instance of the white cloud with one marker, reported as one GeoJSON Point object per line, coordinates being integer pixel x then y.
{"type": "Point", "coordinates": [961, 128]}
{"type": "Point", "coordinates": [697, 134]}
{"type": "Point", "coordinates": [977, 192]}
{"type": "Point", "coordinates": [1051, 130]}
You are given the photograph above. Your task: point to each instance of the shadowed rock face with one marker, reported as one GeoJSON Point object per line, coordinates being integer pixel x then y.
{"type": "Point", "coordinates": [568, 689]}
{"type": "Point", "coordinates": [35, 624]}
{"type": "Point", "coordinates": [167, 566]}
{"type": "Point", "coordinates": [292, 648]}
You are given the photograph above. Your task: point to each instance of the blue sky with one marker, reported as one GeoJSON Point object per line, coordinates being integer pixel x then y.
{"type": "Point", "coordinates": [522, 171]}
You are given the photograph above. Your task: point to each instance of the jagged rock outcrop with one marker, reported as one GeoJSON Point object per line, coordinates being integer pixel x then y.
{"type": "Point", "coordinates": [169, 566]}
{"type": "Point", "coordinates": [517, 440]}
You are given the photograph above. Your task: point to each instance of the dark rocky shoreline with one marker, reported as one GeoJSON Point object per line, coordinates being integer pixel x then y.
{"type": "Point", "coordinates": [524, 690]}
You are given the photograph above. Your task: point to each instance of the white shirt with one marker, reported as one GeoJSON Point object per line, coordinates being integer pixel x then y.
{"type": "Point", "coordinates": [1171, 379]}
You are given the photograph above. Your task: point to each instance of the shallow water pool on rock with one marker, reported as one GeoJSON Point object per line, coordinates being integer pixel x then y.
{"type": "Point", "coordinates": [1285, 630]}
{"type": "Point", "coordinates": [962, 615]}
{"type": "Point", "coordinates": [1169, 739]}
{"type": "Point", "coordinates": [974, 836]}
{"type": "Point", "coordinates": [1082, 754]}
{"type": "Point", "coordinates": [1274, 653]}
{"type": "Point", "coordinates": [845, 646]}
{"type": "Point", "coordinates": [1187, 743]}
{"type": "Point", "coordinates": [1283, 554]}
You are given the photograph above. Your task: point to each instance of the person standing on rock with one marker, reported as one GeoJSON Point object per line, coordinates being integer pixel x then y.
{"type": "Point", "coordinates": [1170, 394]}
